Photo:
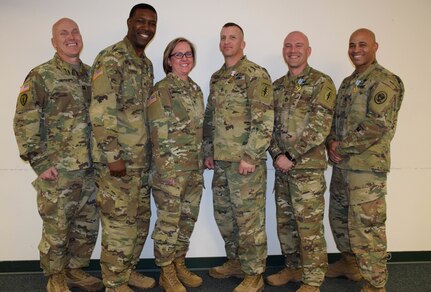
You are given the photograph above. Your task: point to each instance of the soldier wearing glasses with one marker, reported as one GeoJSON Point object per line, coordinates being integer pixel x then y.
{"type": "Point", "coordinates": [175, 116]}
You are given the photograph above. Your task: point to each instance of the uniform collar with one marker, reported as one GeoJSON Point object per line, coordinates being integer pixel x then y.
{"type": "Point", "coordinates": [302, 75]}
{"type": "Point", "coordinates": [68, 68]}
{"type": "Point", "coordinates": [364, 74]}
{"type": "Point", "coordinates": [236, 66]}
{"type": "Point", "coordinates": [178, 81]}
{"type": "Point", "coordinates": [131, 49]}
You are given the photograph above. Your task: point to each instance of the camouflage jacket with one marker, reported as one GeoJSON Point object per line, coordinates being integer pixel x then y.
{"type": "Point", "coordinates": [303, 107]}
{"type": "Point", "coordinates": [239, 116]}
{"type": "Point", "coordinates": [366, 117]}
{"type": "Point", "coordinates": [51, 123]}
{"type": "Point", "coordinates": [175, 117]}
{"type": "Point", "coordinates": [121, 82]}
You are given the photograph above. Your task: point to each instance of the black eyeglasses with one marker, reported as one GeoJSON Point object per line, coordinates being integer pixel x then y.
{"type": "Point", "coordinates": [179, 55]}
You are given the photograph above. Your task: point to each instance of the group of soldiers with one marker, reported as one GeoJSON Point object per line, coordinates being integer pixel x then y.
{"type": "Point", "coordinates": [101, 139]}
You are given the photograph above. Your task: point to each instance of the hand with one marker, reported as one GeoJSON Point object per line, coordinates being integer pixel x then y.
{"type": "Point", "coordinates": [49, 174]}
{"type": "Point", "coordinates": [283, 164]}
{"type": "Point", "coordinates": [117, 168]}
{"type": "Point", "coordinates": [209, 162]}
{"type": "Point", "coordinates": [246, 168]}
{"type": "Point", "coordinates": [332, 152]}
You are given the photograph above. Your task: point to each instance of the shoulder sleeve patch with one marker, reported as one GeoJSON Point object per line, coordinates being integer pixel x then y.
{"type": "Point", "coordinates": [25, 87]}
{"type": "Point", "coordinates": [264, 90]}
{"type": "Point", "coordinates": [155, 106]}
{"type": "Point", "coordinates": [24, 91]}
{"type": "Point", "coordinates": [381, 98]}
{"type": "Point", "coordinates": [97, 73]}
{"type": "Point", "coordinates": [327, 95]}
{"type": "Point", "coordinates": [101, 84]}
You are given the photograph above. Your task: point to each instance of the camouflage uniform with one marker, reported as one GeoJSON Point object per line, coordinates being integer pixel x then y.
{"type": "Point", "coordinates": [52, 128]}
{"type": "Point", "coordinates": [364, 122]}
{"type": "Point", "coordinates": [238, 124]}
{"type": "Point", "coordinates": [121, 82]}
{"type": "Point", "coordinates": [303, 106]}
{"type": "Point", "coordinates": [175, 117]}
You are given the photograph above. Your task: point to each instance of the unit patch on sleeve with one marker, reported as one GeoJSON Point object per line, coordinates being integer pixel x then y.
{"type": "Point", "coordinates": [327, 95]}
{"type": "Point", "coordinates": [381, 98]}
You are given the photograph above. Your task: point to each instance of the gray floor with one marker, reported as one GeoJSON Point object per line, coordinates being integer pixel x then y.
{"type": "Point", "coordinates": [402, 278]}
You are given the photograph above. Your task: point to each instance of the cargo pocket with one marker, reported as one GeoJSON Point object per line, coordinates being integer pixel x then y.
{"type": "Point", "coordinates": [47, 197]}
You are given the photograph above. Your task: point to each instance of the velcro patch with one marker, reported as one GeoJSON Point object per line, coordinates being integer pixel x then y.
{"type": "Point", "coordinates": [381, 98]}
{"type": "Point", "coordinates": [265, 89]}
{"type": "Point", "coordinates": [23, 99]}
{"type": "Point", "coordinates": [97, 73]}
{"type": "Point", "coordinates": [327, 95]}
{"type": "Point", "coordinates": [25, 87]}
{"type": "Point", "coordinates": [153, 98]}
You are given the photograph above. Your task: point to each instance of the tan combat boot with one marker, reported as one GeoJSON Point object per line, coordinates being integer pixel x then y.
{"type": "Point", "coordinates": [285, 276]}
{"type": "Point", "coordinates": [231, 268]}
{"type": "Point", "coordinates": [57, 283]}
{"type": "Point", "coordinates": [251, 283]}
{"type": "Point", "coordinates": [184, 275]}
{"type": "Point", "coordinates": [82, 280]}
{"type": "Point", "coordinates": [169, 280]}
{"type": "Point", "coordinates": [121, 288]}
{"type": "Point", "coordinates": [308, 288]}
{"type": "Point", "coordinates": [370, 288]}
{"type": "Point", "coordinates": [140, 281]}
{"type": "Point", "coordinates": [345, 267]}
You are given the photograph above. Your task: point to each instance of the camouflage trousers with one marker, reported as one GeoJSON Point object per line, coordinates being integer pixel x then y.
{"type": "Point", "coordinates": [300, 204]}
{"type": "Point", "coordinates": [177, 213]}
{"type": "Point", "coordinates": [239, 210]}
{"type": "Point", "coordinates": [357, 214]}
{"type": "Point", "coordinates": [125, 212]}
{"type": "Point", "coordinates": [68, 210]}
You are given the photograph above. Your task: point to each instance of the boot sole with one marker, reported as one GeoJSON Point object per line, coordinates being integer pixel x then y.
{"type": "Point", "coordinates": [354, 279]}
{"type": "Point", "coordinates": [282, 284]}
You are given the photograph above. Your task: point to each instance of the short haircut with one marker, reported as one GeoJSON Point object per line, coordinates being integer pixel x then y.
{"type": "Point", "coordinates": [141, 6]}
{"type": "Point", "coordinates": [230, 24]}
{"type": "Point", "coordinates": [168, 52]}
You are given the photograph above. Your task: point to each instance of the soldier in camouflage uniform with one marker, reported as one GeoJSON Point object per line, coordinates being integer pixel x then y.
{"type": "Point", "coordinates": [359, 149]}
{"type": "Point", "coordinates": [52, 129]}
{"type": "Point", "coordinates": [238, 123]}
{"type": "Point", "coordinates": [304, 101]}
{"type": "Point", "coordinates": [122, 77]}
{"type": "Point", "coordinates": [175, 117]}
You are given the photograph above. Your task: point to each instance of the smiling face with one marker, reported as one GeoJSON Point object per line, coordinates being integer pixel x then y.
{"type": "Point", "coordinates": [67, 40]}
{"type": "Point", "coordinates": [141, 29]}
{"type": "Point", "coordinates": [181, 66]}
{"type": "Point", "coordinates": [296, 51]}
{"type": "Point", "coordinates": [362, 49]}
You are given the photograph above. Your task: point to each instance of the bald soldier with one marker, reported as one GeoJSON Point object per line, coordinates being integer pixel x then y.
{"type": "Point", "coordinates": [52, 129]}
{"type": "Point", "coordinates": [304, 101]}
{"type": "Point", "coordinates": [359, 149]}
{"type": "Point", "coordinates": [238, 124]}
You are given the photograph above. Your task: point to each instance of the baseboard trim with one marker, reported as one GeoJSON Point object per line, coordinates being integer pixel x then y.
{"type": "Point", "coordinates": [205, 263]}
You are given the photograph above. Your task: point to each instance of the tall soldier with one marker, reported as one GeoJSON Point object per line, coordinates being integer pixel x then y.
{"type": "Point", "coordinates": [52, 129]}
{"type": "Point", "coordinates": [304, 101]}
{"type": "Point", "coordinates": [121, 81]}
{"type": "Point", "coordinates": [359, 148]}
{"type": "Point", "coordinates": [238, 123]}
